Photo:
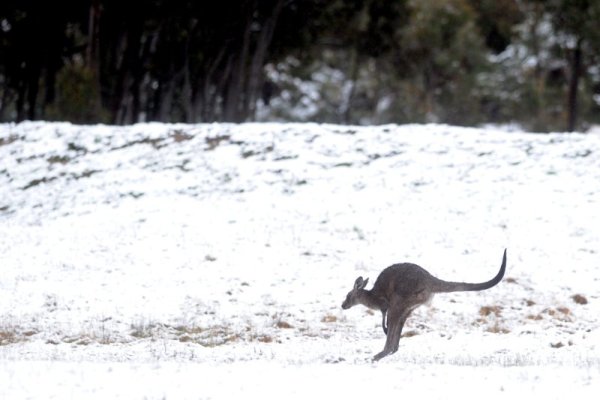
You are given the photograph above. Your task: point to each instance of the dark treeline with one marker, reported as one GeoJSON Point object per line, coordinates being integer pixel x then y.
{"type": "Point", "coordinates": [348, 61]}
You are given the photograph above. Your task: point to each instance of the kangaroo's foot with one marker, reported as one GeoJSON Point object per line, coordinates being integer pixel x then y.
{"type": "Point", "coordinates": [384, 353]}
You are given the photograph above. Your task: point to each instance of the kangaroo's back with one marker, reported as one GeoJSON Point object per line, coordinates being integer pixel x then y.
{"type": "Point", "coordinates": [403, 279]}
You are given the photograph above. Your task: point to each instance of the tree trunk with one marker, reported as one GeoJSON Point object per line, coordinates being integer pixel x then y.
{"type": "Point", "coordinates": [93, 46]}
{"type": "Point", "coordinates": [187, 90]}
{"type": "Point", "coordinates": [208, 103]}
{"type": "Point", "coordinates": [165, 100]}
{"type": "Point", "coordinates": [355, 68]}
{"type": "Point", "coordinates": [540, 112]}
{"type": "Point", "coordinates": [428, 106]}
{"type": "Point", "coordinates": [119, 73]}
{"type": "Point", "coordinates": [234, 96]}
{"type": "Point", "coordinates": [20, 106]}
{"type": "Point", "coordinates": [93, 55]}
{"type": "Point", "coordinates": [124, 93]}
{"type": "Point", "coordinates": [32, 97]}
{"type": "Point", "coordinates": [572, 106]}
{"type": "Point", "coordinates": [187, 94]}
{"type": "Point", "coordinates": [256, 77]}
{"type": "Point", "coordinates": [138, 73]}
{"type": "Point", "coordinates": [220, 92]}
{"type": "Point", "coordinates": [4, 101]}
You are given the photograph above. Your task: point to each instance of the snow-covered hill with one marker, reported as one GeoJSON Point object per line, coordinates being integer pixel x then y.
{"type": "Point", "coordinates": [210, 261]}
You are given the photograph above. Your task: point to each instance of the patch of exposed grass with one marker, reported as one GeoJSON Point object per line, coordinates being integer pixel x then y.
{"type": "Point", "coordinates": [247, 153]}
{"type": "Point", "coordinates": [560, 313]}
{"type": "Point", "coordinates": [279, 321]}
{"type": "Point", "coordinates": [486, 311]}
{"type": "Point", "coordinates": [77, 148]}
{"type": "Point", "coordinates": [85, 174]}
{"type": "Point", "coordinates": [496, 328]}
{"type": "Point", "coordinates": [564, 310]}
{"type": "Point", "coordinates": [179, 136]}
{"type": "Point", "coordinates": [10, 334]}
{"type": "Point", "coordinates": [264, 338]}
{"type": "Point", "coordinates": [58, 160]}
{"type": "Point", "coordinates": [208, 337]}
{"type": "Point", "coordinates": [86, 339]}
{"type": "Point", "coordinates": [329, 319]}
{"type": "Point", "coordinates": [157, 143]}
{"type": "Point", "coordinates": [283, 325]}
{"type": "Point", "coordinates": [142, 330]}
{"type": "Point", "coordinates": [579, 299]}
{"type": "Point", "coordinates": [496, 313]}
{"type": "Point", "coordinates": [190, 330]}
{"type": "Point", "coordinates": [214, 141]}
{"type": "Point", "coordinates": [8, 140]}
{"type": "Point", "coordinates": [410, 333]}
{"type": "Point", "coordinates": [534, 317]}
{"type": "Point", "coordinates": [8, 337]}
{"type": "Point", "coordinates": [558, 345]}
{"type": "Point", "coordinates": [311, 333]}
{"type": "Point", "coordinates": [334, 360]}
{"type": "Point", "coordinates": [37, 182]}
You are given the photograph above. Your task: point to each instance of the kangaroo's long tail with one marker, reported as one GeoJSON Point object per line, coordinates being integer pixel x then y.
{"type": "Point", "coordinates": [445, 287]}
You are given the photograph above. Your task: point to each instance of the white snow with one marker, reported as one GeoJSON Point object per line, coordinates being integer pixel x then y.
{"type": "Point", "coordinates": [210, 261]}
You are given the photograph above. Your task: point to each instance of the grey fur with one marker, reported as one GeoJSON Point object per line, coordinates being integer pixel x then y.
{"type": "Point", "coordinates": [401, 288]}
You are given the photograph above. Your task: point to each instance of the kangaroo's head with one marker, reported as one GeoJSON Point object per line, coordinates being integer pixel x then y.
{"type": "Point", "coordinates": [353, 296]}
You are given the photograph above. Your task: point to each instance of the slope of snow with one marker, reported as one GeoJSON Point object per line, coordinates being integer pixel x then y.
{"type": "Point", "coordinates": [207, 261]}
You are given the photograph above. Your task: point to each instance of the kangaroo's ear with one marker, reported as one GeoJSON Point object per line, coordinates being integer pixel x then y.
{"type": "Point", "coordinates": [360, 283]}
{"type": "Point", "coordinates": [365, 283]}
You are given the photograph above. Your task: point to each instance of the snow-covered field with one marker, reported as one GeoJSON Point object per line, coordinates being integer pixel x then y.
{"type": "Point", "coordinates": [210, 261]}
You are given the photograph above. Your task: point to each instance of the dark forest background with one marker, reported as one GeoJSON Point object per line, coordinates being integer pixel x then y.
{"type": "Point", "coordinates": [465, 62]}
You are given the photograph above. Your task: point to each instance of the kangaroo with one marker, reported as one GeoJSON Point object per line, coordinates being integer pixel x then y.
{"type": "Point", "coordinates": [401, 288]}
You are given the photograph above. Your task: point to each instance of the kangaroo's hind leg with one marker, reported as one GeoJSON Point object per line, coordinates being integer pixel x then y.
{"type": "Point", "coordinates": [396, 319]}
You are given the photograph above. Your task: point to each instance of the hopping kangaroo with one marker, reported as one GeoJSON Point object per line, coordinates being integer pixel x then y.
{"type": "Point", "coordinates": [400, 289]}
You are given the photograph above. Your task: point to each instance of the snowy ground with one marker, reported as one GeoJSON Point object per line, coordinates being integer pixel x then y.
{"type": "Point", "coordinates": [210, 261]}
